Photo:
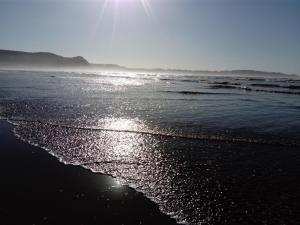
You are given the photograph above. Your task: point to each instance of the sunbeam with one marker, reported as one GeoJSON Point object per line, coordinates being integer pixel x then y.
{"type": "Point", "coordinates": [147, 8]}
{"type": "Point", "coordinates": [113, 8]}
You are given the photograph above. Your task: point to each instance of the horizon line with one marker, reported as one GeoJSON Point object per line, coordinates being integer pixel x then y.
{"type": "Point", "coordinates": [156, 68]}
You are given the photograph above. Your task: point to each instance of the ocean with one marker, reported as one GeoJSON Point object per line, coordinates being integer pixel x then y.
{"type": "Point", "coordinates": [207, 149]}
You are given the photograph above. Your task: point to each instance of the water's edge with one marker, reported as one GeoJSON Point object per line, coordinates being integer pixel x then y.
{"type": "Point", "coordinates": [170, 215]}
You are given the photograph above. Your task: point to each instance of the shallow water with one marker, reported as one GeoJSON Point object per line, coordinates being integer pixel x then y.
{"type": "Point", "coordinates": [206, 149]}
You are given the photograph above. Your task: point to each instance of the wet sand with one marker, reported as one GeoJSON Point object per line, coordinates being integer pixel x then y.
{"type": "Point", "coordinates": [37, 189]}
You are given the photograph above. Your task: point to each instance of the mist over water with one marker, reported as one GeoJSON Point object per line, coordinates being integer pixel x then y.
{"type": "Point", "coordinates": [206, 149]}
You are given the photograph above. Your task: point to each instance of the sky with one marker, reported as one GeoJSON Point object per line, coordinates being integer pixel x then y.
{"type": "Point", "coordinates": [183, 34]}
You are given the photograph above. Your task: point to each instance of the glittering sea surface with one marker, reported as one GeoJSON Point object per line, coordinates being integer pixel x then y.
{"type": "Point", "coordinates": [207, 149]}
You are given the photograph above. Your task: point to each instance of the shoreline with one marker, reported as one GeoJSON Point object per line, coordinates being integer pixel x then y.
{"type": "Point", "coordinates": [38, 189]}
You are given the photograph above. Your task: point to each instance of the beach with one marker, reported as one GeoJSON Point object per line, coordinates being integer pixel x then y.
{"type": "Point", "coordinates": [38, 189]}
{"type": "Point", "coordinates": [202, 149]}
{"type": "Point", "coordinates": [149, 112]}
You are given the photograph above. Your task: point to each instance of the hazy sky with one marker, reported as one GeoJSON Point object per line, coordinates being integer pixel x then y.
{"type": "Point", "coordinates": [191, 34]}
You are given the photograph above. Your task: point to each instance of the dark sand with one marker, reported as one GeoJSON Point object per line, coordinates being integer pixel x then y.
{"type": "Point", "coordinates": [37, 189]}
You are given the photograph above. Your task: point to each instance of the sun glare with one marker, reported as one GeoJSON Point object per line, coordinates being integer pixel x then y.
{"type": "Point", "coordinates": [117, 4]}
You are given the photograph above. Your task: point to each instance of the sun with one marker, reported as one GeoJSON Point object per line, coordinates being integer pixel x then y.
{"type": "Point", "coordinates": [118, 3]}
{"type": "Point", "coordinates": [112, 9]}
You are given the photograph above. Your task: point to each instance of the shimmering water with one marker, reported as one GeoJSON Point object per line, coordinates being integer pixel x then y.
{"type": "Point", "coordinates": [206, 149]}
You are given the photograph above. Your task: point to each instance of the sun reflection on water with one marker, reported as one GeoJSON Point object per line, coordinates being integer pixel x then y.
{"type": "Point", "coordinates": [120, 137]}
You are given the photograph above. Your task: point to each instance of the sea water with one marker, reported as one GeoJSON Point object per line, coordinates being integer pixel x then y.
{"type": "Point", "coordinates": [208, 149]}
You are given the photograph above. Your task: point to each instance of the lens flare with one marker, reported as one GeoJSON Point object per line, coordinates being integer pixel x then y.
{"type": "Point", "coordinates": [147, 8]}
{"type": "Point", "coordinates": [117, 4]}
{"type": "Point", "coordinates": [110, 10]}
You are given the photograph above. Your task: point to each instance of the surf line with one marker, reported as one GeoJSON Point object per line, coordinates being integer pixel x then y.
{"type": "Point", "coordinates": [165, 135]}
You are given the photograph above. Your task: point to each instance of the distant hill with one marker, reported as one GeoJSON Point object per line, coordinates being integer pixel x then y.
{"type": "Point", "coordinates": [39, 59]}
{"type": "Point", "coordinates": [19, 59]}
{"type": "Point", "coordinates": [218, 72]}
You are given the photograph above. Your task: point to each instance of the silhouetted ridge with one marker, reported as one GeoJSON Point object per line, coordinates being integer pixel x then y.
{"type": "Point", "coordinates": [20, 59]}
{"type": "Point", "coordinates": [39, 59]}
